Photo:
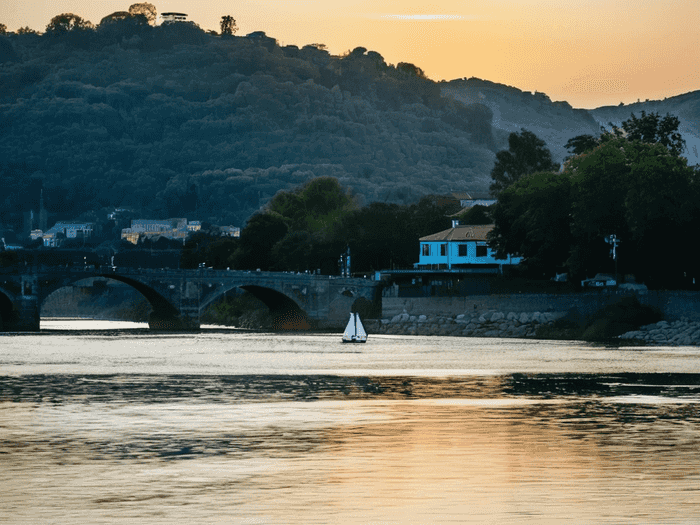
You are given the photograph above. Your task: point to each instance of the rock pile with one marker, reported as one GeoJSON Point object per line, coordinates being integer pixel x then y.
{"type": "Point", "coordinates": [664, 333]}
{"type": "Point", "coordinates": [477, 324]}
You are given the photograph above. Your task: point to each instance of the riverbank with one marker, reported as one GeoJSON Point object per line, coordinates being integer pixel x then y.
{"type": "Point", "coordinates": [683, 332]}
{"type": "Point", "coordinates": [533, 325]}
{"type": "Point", "coordinates": [476, 324]}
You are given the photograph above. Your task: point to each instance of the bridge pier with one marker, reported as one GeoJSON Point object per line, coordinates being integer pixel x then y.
{"type": "Point", "coordinates": [25, 316]}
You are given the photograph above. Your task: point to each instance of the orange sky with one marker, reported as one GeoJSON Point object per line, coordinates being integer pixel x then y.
{"type": "Point", "coordinates": [587, 52]}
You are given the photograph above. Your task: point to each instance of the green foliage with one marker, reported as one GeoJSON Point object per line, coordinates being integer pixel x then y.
{"type": "Point", "coordinates": [532, 219]}
{"type": "Point", "coordinates": [581, 143]}
{"type": "Point", "coordinates": [630, 182]}
{"type": "Point", "coordinates": [526, 154]}
{"type": "Point", "coordinates": [213, 250]}
{"type": "Point", "coordinates": [67, 22]}
{"type": "Point", "coordinates": [259, 236]}
{"type": "Point", "coordinates": [645, 195]}
{"type": "Point", "coordinates": [653, 129]}
{"type": "Point", "coordinates": [3, 29]}
{"type": "Point", "coordinates": [228, 25]}
{"type": "Point", "coordinates": [144, 9]}
{"type": "Point", "coordinates": [115, 17]}
{"type": "Point", "coordinates": [316, 206]}
{"type": "Point", "coordinates": [476, 216]}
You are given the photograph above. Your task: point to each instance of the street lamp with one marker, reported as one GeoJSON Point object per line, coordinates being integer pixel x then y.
{"type": "Point", "coordinates": [612, 239]}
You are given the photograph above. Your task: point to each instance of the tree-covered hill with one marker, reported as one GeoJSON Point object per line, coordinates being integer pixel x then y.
{"type": "Point", "coordinates": [686, 107]}
{"type": "Point", "coordinates": [173, 121]}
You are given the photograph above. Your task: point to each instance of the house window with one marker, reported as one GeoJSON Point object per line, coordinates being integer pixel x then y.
{"type": "Point", "coordinates": [462, 250]}
{"type": "Point", "coordinates": [481, 251]}
{"type": "Point", "coordinates": [443, 250]}
{"type": "Point", "coordinates": [426, 250]}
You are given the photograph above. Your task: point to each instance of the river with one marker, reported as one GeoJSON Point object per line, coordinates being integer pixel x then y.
{"type": "Point", "coordinates": [104, 422]}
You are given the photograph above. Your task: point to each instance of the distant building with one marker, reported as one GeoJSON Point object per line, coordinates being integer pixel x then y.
{"type": "Point", "coordinates": [177, 229]}
{"type": "Point", "coordinates": [467, 200]}
{"type": "Point", "coordinates": [59, 232]}
{"type": "Point", "coordinates": [230, 231]}
{"type": "Point", "coordinates": [173, 17]}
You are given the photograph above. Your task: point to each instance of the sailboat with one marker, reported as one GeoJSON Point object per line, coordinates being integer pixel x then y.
{"type": "Point", "coordinates": [354, 331]}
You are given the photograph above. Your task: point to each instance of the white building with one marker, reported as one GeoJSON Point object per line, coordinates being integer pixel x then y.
{"type": "Point", "coordinates": [169, 228]}
{"type": "Point", "coordinates": [230, 231]}
{"type": "Point", "coordinates": [60, 231]}
{"type": "Point", "coordinates": [173, 17]}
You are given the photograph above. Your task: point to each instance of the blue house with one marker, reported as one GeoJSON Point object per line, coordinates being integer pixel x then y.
{"type": "Point", "coordinates": [461, 247]}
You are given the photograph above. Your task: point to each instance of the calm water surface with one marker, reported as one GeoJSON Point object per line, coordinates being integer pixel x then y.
{"type": "Point", "coordinates": [109, 423]}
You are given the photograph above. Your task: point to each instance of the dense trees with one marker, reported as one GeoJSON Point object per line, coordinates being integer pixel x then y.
{"type": "Point", "coordinates": [292, 233]}
{"type": "Point", "coordinates": [66, 22]}
{"type": "Point", "coordinates": [532, 220]}
{"type": "Point", "coordinates": [145, 9]}
{"type": "Point", "coordinates": [630, 182]}
{"type": "Point", "coordinates": [136, 119]}
{"type": "Point", "coordinates": [526, 154]}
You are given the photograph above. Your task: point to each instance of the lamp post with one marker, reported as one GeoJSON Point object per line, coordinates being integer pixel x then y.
{"type": "Point", "coordinates": [612, 239]}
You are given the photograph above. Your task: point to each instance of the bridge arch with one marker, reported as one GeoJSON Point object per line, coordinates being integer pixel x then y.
{"type": "Point", "coordinates": [163, 315]}
{"type": "Point", "coordinates": [287, 314]}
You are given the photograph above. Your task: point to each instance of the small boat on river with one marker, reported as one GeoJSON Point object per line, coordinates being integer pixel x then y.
{"type": "Point", "coordinates": [354, 331]}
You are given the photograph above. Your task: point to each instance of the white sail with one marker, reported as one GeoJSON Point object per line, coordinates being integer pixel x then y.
{"type": "Point", "coordinates": [360, 330]}
{"type": "Point", "coordinates": [354, 331]}
{"type": "Point", "coordinates": [349, 334]}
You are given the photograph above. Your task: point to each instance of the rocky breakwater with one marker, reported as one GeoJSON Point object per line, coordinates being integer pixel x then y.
{"type": "Point", "coordinates": [473, 324]}
{"type": "Point", "coordinates": [665, 333]}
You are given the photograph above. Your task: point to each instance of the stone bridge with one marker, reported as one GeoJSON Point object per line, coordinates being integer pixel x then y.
{"type": "Point", "coordinates": [178, 297]}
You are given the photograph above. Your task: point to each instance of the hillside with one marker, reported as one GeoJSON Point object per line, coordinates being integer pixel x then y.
{"type": "Point", "coordinates": [686, 107]}
{"type": "Point", "coordinates": [513, 109]}
{"type": "Point", "coordinates": [172, 121]}
{"type": "Point", "coordinates": [557, 122]}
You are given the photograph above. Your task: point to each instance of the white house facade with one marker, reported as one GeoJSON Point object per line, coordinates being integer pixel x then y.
{"type": "Point", "coordinates": [460, 247]}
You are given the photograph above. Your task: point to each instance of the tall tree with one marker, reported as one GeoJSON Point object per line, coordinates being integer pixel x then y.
{"type": "Point", "coordinates": [526, 154]}
{"type": "Point", "coordinates": [653, 128]}
{"type": "Point", "coordinates": [3, 29]}
{"type": "Point", "coordinates": [228, 25]}
{"type": "Point", "coordinates": [145, 9]}
{"type": "Point", "coordinates": [66, 22]}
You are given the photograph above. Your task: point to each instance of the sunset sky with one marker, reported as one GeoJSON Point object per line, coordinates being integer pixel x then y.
{"type": "Point", "coordinates": [587, 52]}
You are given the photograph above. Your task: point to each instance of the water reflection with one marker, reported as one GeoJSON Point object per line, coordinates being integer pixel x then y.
{"type": "Point", "coordinates": [420, 444]}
